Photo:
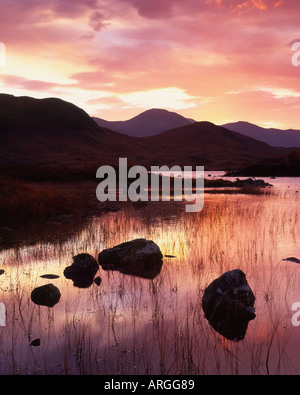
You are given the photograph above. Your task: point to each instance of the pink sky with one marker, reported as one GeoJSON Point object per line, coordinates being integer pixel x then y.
{"type": "Point", "coordinates": [214, 60]}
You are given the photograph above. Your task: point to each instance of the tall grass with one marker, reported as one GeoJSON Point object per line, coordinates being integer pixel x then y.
{"type": "Point", "coordinates": [131, 325]}
{"type": "Point", "coordinates": [26, 203]}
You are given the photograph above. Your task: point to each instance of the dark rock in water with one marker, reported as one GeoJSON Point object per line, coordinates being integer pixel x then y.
{"type": "Point", "coordinates": [49, 276]}
{"type": "Point", "coordinates": [292, 259]}
{"type": "Point", "coordinates": [228, 304]}
{"type": "Point", "coordinates": [2, 271]}
{"type": "Point", "coordinates": [46, 295]}
{"type": "Point", "coordinates": [251, 182]}
{"type": "Point", "coordinates": [98, 280]}
{"type": "Point", "coordinates": [82, 271]}
{"type": "Point", "coordinates": [35, 343]}
{"type": "Point", "coordinates": [170, 256]}
{"type": "Point", "coordinates": [139, 257]}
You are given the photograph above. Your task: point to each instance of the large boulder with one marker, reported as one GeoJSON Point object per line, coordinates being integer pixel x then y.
{"type": "Point", "coordinates": [139, 257]}
{"type": "Point", "coordinates": [82, 271]}
{"type": "Point", "coordinates": [46, 295]}
{"type": "Point", "coordinates": [228, 304]}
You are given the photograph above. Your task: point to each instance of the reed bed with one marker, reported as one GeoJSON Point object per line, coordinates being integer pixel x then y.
{"type": "Point", "coordinates": [130, 325]}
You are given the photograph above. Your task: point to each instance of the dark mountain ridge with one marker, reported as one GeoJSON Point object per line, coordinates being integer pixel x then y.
{"type": "Point", "coordinates": [52, 132]}
{"type": "Point", "coordinates": [274, 137]}
{"type": "Point", "coordinates": [148, 123]}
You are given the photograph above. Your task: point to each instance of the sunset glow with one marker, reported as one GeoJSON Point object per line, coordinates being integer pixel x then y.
{"type": "Point", "coordinates": [212, 60]}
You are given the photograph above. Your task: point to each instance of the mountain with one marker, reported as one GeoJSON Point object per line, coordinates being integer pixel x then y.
{"type": "Point", "coordinates": [273, 137]}
{"type": "Point", "coordinates": [212, 146]}
{"type": "Point", "coordinates": [54, 133]}
{"type": "Point", "coordinates": [148, 123]}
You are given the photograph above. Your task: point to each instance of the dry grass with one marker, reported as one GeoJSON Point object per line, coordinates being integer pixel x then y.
{"type": "Point", "coordinates": [130, 325]}
{"type": "Point", "coordinates": [25, 203]}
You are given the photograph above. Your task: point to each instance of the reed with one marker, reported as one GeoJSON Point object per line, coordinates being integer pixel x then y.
{"type": "Point", "coordinates": [130, 325]}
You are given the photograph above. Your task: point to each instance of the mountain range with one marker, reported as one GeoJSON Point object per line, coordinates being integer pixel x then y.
{"type": "Point", "coordinates": [148, 123]}
{"type": "Point", "coordinates": [155, 121]}
{"type": "Point", "coordinates": [274, 137]}
{"type": "Point", "coordinates": [53, 132]}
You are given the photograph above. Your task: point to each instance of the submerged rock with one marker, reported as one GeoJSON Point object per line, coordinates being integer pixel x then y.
{"type": "Point", "coordinates": [49, 276]}
{"type": "Point", "coordinates": [46, 295]}
{"type": "Point", "coordinates": [228, 304]}
{"type": "Point", "coordinates": [35, 343]}
{"type": "Point", "coordinates": [97, 280]}
{"type": "Point", "coordinates": [139, 257]}
{"type": "Point", "coordinates": [292, 259]}
{"type": "Point", "coordinates": [82, 271]}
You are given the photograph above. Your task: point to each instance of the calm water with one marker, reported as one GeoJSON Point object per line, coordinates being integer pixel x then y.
{"type": "Point", "coordinates": [131, 325]}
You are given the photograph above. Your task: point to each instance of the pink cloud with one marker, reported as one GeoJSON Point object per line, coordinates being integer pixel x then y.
{"type": "Point", "coordinates": [34, 85]}
{"type": "Point", "coordinates": [204, 48]}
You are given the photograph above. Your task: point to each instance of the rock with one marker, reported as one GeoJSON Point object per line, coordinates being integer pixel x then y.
{"type": "Point", "coordinates": [292, 259]}
{"type": "Point", "coordinates": [228, 304]}
{"type": "Point", "coordinates": [82, 271]}
{"type": "Point", "coordinates": [35, 343]}
{"type": "Point", "coordinates": [97, 280]}
{"type": "Point", "coordinates": [170, 256]}
{"type": "Point", "coordinates": [49, 276]}
{"type": "Point", "coordinates": [46, 295]}
{"type": "Point", "coordinates": [2, 271]}
{"type": "Point", "coordinates": [251, 182]}
{"type": "Point", "coordinates": [139, 257]}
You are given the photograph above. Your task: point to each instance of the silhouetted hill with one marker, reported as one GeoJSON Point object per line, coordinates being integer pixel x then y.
{"type": "Point", "coordinates": [273, 137]}
{"type": "Point", "coordinates": [148, 123]}
{"type": "Point", "coordinates": [53, 133]}
{"type": "Point", "coordinates": [215, 147]}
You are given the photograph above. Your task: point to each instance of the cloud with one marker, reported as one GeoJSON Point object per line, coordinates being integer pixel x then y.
{"type": "Point", "coordinates": [134, 52]}
{"type": "Point", "coordinates": [33, 85]}
{"type": "Point", "coordinates": [96, 21]}
{"type": "Point", "coordinates": [93, 80]}
{"type": "Point", "coordinates": [168, 98]}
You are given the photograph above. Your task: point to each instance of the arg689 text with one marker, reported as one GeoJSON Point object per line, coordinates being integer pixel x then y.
{"type": "Point", "coordinates": [171, 385]}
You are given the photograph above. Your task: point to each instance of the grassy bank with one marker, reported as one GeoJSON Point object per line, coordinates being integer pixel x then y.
{"type": "Point", "coordinates": [32, 194]}
{"type": "Point", "coordinates": [23, 203]}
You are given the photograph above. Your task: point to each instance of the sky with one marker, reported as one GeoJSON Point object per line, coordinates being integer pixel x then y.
{"type": "Point", "coordinates": [210, 60]}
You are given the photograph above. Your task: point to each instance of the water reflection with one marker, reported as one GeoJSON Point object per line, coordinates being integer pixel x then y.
{"type": "Point", "coordinates": [154, 324]}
